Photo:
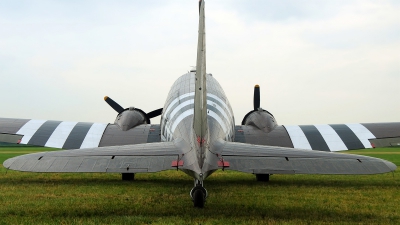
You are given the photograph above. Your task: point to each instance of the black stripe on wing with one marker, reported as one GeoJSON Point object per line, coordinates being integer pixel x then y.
{"type": "Point", "coordinates": [77, 135]}
{"type": "Point", "coordinates": [347, 135]}
{"type": "Point", "coordinates": [314, 137]}
{"type": "Point", "coordinates": [44, 132]}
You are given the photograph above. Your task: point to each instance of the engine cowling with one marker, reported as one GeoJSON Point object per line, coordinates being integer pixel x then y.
{"type": "Point", "coordinates": [130, 118]}
{"type": "Point", "coordinates": [260, 118]}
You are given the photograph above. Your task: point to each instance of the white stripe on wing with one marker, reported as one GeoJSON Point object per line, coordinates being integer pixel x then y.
{"type": "Point", "coordinates": [29, 129]}
{"type": "Point", "coordinates": [93, 137]}
{"type": "Point", "coordinates": [60, 134]}
{"type": "Point", "coordinates": [332, 139]}
{"type": "Point", "coordinates": [362, 133]}
{"type": "Point", "coordinates": [298, 137]}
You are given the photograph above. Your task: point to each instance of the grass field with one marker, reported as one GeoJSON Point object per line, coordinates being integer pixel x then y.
{"type": "Point", "coordinates": [234, 198]}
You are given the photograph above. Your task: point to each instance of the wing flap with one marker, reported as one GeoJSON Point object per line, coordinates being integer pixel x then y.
{"type": "Point", "coordinates": [151, 157]}
{"type": "Point", "coordinates": [275, 160]}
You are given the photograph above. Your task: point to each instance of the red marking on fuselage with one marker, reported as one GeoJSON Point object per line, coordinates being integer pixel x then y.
{"type": "Point", "coordinates": [201, 141]}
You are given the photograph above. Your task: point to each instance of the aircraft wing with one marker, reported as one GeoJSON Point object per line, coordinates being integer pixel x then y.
{"type": "Point", "coordinates": [152, 157]}
{"type": "Point", "coordinates": [259, 159]}
{"type": "Point", "coordinates": [323, 137]}
{"type": "Point", "coordinates": [74, 135]}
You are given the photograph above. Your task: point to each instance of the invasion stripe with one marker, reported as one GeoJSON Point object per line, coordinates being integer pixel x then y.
{"type": "Point", "coordinates": [190, 104]}
{"type": "Point", "coordinates": [211, 109]}
{"type": "Point", "coordinates": [331, 138]}
{"type": "Point", "coordinates": [182, 100]}
{"type": "Point", "coordinates": [218, 103]}
{"type": "Point", "coordinates": [191, 112]}
{"type": "Point", "coordinates": [180, 106]}
{"type": "Point", "coordinates": [298, 137]}
{"type": "Point", "coordinates": [221, 110]}
{"type": "Point", "coordinates": [180, 118]}
{"type": "Point", "coordinates": [347, 135]}
{"type": "Point", "coordinates": [189, 100]}
{"type": "Point", "coordinates": [176, 116]}
{"type": "Point", "coordinates": [189, 96]}
{"type": "Point", "coordinates": [222, 102]}
{"type": "Point", "coordinates": [42, 135]}
{"type": "Point", "coordinates": [218, 118]}
{"type": "Point", "coordinates": [60, 134]}
{"type": "Point", "coordinates": [179, 98]}
{"type": "Point", "coordinates": [362, 133]}
{"type": "Point", "coordinates": [77, 135]}
{"type": "Point", "coordinates": [220, 115]}
{"type": "Point", "coordinates": [93, 137]}
{"type": "Point", "coordinates": [314, 137]}
{"type": "Point", "coordinates": [29, 129]}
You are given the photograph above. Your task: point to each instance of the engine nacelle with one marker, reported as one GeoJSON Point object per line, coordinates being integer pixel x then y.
{"type": "Point", "coordinates": [130, 118]}
{"type": "Point", "coordinates": [261, 119]}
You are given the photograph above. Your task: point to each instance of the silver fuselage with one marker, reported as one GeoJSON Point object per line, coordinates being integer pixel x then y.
{"type": "Point", "coordinates": [177, 123]}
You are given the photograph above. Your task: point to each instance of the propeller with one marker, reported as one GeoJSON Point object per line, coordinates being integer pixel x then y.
{"type": "Point", "coordinates": [259, 117]}
{"type": "Point", "coordinates": [256, 98]}
{"type": "Point", "coordinates": [114, 105]}
{"type": "Point", "coordinates": [154, 113]}
{"type": "Point", "coordinates": [120, 109]}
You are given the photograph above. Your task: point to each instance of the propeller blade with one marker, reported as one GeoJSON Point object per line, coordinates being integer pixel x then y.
{"type": "Point", "coordinates": [113, 104]}
{"type": "Point", "coordinates": [256, 98]}
{"type": "Point", "coordinates": [154, 113]}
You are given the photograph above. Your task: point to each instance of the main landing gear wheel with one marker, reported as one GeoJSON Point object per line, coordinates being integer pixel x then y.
{"type": "Point", "coordinates": [128, 176]}
{"type": "Point", "coordinates": [262, 177]}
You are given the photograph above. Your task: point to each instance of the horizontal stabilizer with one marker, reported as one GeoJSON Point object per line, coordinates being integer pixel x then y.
{"type": "Point", "coordinates": [259, 159]}
{"type": "Point", "coordinates": [152, 157]}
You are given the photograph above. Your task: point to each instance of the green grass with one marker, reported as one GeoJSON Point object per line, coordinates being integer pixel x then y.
{"type": "Point", "coordinates": [163, 198]}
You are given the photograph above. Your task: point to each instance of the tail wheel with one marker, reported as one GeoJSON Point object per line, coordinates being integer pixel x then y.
{"type": "Point", "coordinates": [198, 198]}
{"type": "Point", "coordinates": [199, 195]}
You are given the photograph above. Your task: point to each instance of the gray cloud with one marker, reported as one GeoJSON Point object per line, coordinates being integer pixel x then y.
{"type": "Point", "coordinates": [316, 61]}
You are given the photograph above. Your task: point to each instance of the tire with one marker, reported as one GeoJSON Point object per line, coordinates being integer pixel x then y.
{"type": "Point", "coordinates": [262, 177]}
{"type": "Point", "coordinates": [128, 176]}
{"type": "Point", "coordinates": [198, 198]}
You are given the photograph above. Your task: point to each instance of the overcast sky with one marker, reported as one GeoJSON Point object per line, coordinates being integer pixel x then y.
{"type": "Point", "coordinates": [316, 61]}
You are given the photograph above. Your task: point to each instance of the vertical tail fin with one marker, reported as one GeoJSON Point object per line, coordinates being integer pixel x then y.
{"type": "Point", "coordinates": [200, 124]}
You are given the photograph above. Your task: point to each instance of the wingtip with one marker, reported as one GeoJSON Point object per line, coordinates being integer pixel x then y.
{"type": "Point", "coordinates": [391, 165]}
{"type": "Point", "coordinates": [105, 98]}
{"type": "Point", "coordinates": [257, 86]}
{"type": "Point", "coordinates": [8, 162]}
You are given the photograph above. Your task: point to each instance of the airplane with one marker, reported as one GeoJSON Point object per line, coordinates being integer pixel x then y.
{"type": "Point", "coordinates": [198, 136]}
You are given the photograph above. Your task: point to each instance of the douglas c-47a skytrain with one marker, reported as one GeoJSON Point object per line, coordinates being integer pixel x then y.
{"type": "Point", "coordinates": [197, 135]}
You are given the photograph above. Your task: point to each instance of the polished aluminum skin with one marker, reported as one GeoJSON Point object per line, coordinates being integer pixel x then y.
{"type": "Point", "coordinates": [198, 136]}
